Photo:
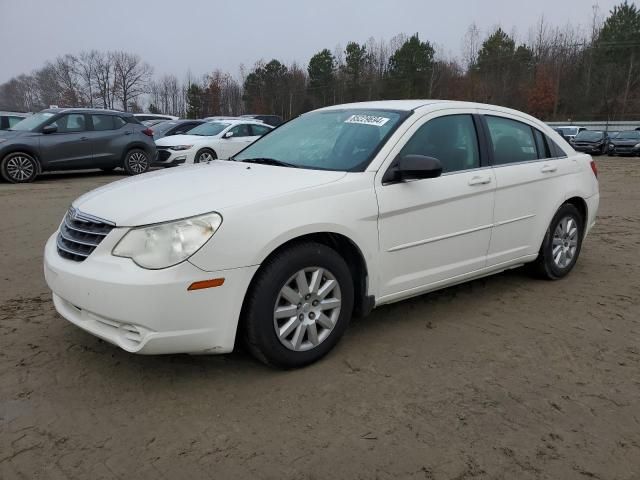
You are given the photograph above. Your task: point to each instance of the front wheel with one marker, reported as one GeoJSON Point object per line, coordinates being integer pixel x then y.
{"type": "Point", "coordinates": [299, 306]}
{"type": "Point", "coordinates": [205, 156]}
{"type": "Point", "coordinates": [136, 162]}
{"type": "Point", "coordinates": [562, 243]}
{"type": "Point", "coordinates": [19, 168]}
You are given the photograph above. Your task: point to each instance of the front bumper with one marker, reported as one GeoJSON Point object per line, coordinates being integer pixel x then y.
{"type": "Point", "coordinates": [589, 148]}
{"type": "Point", "coordinates": [171, 158]}
{"type": "Point", "coordinates": [146, 311]}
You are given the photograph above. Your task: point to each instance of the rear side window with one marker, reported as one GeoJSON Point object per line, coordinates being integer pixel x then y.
{"type": "Point", "coordinates": [513, 141]}
{"type": "Point", "coordinates": [102, 122]}
{"type": "Point", "coordinates": [556, 151]}
{"type": "Point", "coordinates": [451, 139]}
{"type": "Point", "coordinates": [259, 130]}
{"type": "Point", "coordinates": [541, 145]}
{"type": "Point", "coordinates": [14, 120]}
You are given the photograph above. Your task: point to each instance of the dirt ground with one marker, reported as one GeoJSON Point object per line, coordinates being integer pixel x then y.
{"type": "Point", "coordinates": [506, 377]}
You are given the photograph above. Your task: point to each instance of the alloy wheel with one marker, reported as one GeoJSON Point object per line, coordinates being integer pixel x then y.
{"type": "Point", "coordinates": [565, 242]}
{"type": "Point", "coordinates": [307, 309]}
{"type": "Point", "coordinates": [20, 168]}
{"type": "Point", "coordinates": [138, 162]}
{"type": "Point", "coordinates": [205, 157]}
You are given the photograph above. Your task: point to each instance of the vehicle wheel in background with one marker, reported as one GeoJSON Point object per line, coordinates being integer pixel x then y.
{"type": "Point", "coordinates": [298, 306]}
{"type": "Point", "coordinates": [561, 245]}
{"type": "Point", "coordinates": [136, 162]}
{"type": "Point", "coordinates": [205, 155]}
{"type": "Point", "coordinates": [19, 167]}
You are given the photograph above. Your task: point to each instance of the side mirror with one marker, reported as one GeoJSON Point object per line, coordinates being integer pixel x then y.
{"type": "Point", "coordinates": [228, 135]}
{"type": "Point", "coordinates": [413, 167]}
{"type": "Point", "coordinates": [50, 129]}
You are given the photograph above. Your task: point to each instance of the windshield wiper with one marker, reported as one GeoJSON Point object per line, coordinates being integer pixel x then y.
{"type": "Point", "coordinates": [269, 161]}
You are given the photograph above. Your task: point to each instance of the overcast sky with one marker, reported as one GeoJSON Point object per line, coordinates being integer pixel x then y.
{"type": "Point", "coordinates": [174, 35]}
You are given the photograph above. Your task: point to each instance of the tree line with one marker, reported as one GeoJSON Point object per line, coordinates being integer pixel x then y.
{"type": "Point", "coordinates": [559, 73]}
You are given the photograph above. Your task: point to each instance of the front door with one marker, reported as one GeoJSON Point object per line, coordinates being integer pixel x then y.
{"type": "Point", "coordinates": [242, 137]}
{"type": "Point", "coordinates": [69, 147]}
{"type": "Point", "coordinates": [434, 230]}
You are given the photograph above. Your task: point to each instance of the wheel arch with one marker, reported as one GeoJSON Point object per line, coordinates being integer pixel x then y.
{"type": "Point", "coordinates": [134, 146]}
{"type": "Point", "coordinates": [29, 150]}
{"type": "Point", "coordinates": [347, 249]}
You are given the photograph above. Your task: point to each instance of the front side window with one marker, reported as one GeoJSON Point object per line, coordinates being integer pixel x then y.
{"type": "Point", "coordinates": [242, 130]}
{"type": "Point", "coordinates": [342, 140]}
{"type": "Point", "coordinates": [451, 139]}
{"type": "Point", "coordinates": [512, 141]}
{"type": "Point", "coordinates": [13, 121]}
{"type": "Point", "coordinates": [72, 122]}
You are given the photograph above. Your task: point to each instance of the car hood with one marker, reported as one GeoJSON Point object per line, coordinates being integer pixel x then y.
{"type": "Point", "coordinates": [625, 142]}
{"type": "Point", "coordinates": [182, 140]}
{"type": "Point", "coordinates": [186, 191]}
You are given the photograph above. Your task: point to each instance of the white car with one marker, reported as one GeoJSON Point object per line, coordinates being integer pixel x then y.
{"type": "Point", "coordinates": [209, 141]}
{"type": "Point", "coordinates": [338, 211]}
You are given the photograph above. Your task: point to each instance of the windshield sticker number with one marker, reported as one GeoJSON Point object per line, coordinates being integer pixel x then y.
{"type": "Point", "coordinates": [367, 120]}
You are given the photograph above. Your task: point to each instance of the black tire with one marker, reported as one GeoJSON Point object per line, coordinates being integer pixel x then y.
{"type": "Point", "coordinates": [545, 266]}
{"type": "Point", "coordinates": [258, 324]}
{"type": "Point", "coordinates": [136, 161]}
{"type": "Point", "coordinates": [19, 167]}
{"type": "Point", "coordinates": [107, 169]}
{"type": "Point", "coordinates": [199, 154]}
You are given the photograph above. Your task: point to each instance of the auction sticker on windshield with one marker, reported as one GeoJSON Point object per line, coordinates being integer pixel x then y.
{"type": "Point", "coordinates": [367, 120]}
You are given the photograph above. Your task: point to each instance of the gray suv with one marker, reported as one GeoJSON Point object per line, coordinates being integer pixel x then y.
{"type": "Point", "coordinates": [75, 139]}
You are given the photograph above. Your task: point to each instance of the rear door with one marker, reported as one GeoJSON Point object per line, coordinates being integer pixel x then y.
{"type": "Point", "coordinates": [69, 147]}
{"type": "Point", "coordinates": [108, 136]}
{"type": "Point", "coordinates": [434, 230]}
{"type": "Point", "coordinates": [530, 184]}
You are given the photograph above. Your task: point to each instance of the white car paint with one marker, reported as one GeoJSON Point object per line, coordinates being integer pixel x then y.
{"type": "Point", "coordinates": [223, 147]}
{"type": "Point", "coordinates": [415, 236]}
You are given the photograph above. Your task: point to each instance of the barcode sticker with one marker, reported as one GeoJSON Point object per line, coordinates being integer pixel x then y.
{"type": "Point", "coordinates": [367, 120]}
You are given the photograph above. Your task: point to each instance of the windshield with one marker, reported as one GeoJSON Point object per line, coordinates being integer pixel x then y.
{"type": "Point", "coordinates": [34, 121]}
{"type": "Point", "coordinates": [208, 129]}
{"type": "Point", "coordinates": [344, 140]}
{"type": "Point", "coordinates": [630, 135]}
{"type": "Point", "coordinates": [589, 136]}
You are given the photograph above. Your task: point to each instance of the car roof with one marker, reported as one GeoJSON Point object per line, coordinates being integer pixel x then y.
{"type": "Point", "coordinates": [17, 114]}
{"type": "Point", "coordinates": [88, 110]}
{"type": "Point", "coordinates": [234, 121]}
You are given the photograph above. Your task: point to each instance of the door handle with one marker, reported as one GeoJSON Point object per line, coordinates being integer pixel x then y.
{"type": "Point", "coordinates": [548, 169]}
{"type": "Point", "coordinates": [480, 181]}
{"type": "Point", "coordinates": [128, 132]}
{"type": "Point", "coordinates": [84, 138]}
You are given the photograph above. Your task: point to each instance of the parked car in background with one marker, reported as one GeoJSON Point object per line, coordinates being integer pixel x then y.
{"type": "Point", "coordinates": [152, 123]}
{"type": "Point", "coordinates": [613, 133]}
{"type": "Point", "coordinates": [219, 117]}
{"type": "Point", "coordinates": [10, 119]}
{"type": "Point", "coordinates": [570, 131]}
{"type": "Point", "coordinates": [209, 141]}
{"type": "Point", "coordinates": [273, 120]}
{"type": "Point", "coordinates": [174, 127]}
{"type": "Point", "coordinates": [591, 141]}
{"type": "Point", "coordinates": [154, 116]}
{"type": "Point", "coordinates": [75, 139]}
{"type": "Point", "coordinates": [334, 213]}
{"type": "Point", "coordinates": [560, 132]}
{"type": "Point", "coordinates": [625, 143]}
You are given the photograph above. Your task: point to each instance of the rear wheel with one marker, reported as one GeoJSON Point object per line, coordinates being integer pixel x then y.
{"type": "Point", "coordinates": [19, 167]}
{"type": "Point", "coordinates": [136, 162]}
{"type": "Point", "coordinates": [205, 155]}
{"type": "Point", "coordinates": [299, 306]}
{"type": "Point", "coordinates": [562, 243]}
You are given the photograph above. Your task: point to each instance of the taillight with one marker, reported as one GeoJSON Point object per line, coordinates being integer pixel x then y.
{"type": "Point", "coordinates": [594, 168]}
{"type": "Point", "coordinates": [148, 132]}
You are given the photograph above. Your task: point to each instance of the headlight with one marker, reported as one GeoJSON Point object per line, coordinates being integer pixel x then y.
{"type": "Point", "coordinates": [180, 147]}
{"type": "Point", "coordinates": [637, 146]}
{"type": "Point", "coordinates": [611, 145]}
{"type": "Point", "coordinates": [166, 244]}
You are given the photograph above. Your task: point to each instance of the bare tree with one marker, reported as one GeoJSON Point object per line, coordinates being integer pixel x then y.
{"type": "Point", "coordinates": [132, 77]}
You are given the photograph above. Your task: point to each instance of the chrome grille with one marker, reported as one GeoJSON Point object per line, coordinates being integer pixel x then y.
{"type": "Point", "coordinates": [80, 234]}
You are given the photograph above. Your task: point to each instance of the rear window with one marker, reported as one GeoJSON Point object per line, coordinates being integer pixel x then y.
{"type": "Point", "coordinates": [513, 141]}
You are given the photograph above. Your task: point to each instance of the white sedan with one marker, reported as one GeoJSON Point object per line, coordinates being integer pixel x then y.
{"type": "Point", "coordinates": [339, 211]}
{"type": "Point", "coordinates": [209, 141]}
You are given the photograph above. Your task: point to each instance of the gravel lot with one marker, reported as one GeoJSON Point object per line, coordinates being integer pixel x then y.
{"type": "Point", "coordinates": [505, 377]}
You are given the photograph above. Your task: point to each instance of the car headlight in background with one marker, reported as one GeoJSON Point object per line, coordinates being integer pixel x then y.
{"type": "Point", "coordinates": [637, 146]}
{"type": "Point", "coordinates": [177, 148]}
{"type": "Point", "coordinates": [166, 244]}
